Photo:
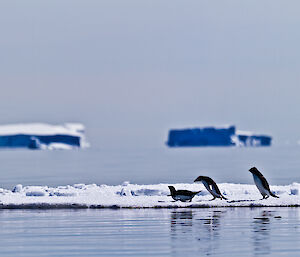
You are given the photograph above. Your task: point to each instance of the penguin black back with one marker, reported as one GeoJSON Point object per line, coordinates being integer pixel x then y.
{"type": "Point", "coordinates": [264, 181]}
{"type": "Point", "coordinates": [211, 186]}
{"type": "Point", "coordinates": [261, 183]}
{"type": "Point", "coordinates": [182, 195]}
{"type": "Point", "coordinates": [210, 181]}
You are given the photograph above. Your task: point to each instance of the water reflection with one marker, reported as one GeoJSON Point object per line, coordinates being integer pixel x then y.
{"type": "Point", "coordinates": [181, 232]}
{"type": "Point", "coordinates": [209, 228]}
{"type": "Point", "coordinates": [181, 222]}
{"type": "Point", "coordinates": [261, 233]}
{"type": "Point", "coordinates": [201, 229]}
{"type": "Point", "coordinates": [216, 232]}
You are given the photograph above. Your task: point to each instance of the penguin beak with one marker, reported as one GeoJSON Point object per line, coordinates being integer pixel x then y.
{"type": "Point", "coordinates": [196, 180]}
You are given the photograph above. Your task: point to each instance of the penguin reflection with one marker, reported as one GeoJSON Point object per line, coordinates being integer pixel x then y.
{"type": "Point", "coordinates": [261, 233]}
{"type": "Point", "coordinates": [181, 221]}
{"type": "Point", "coordinates": [209, 232]}
{"type": "Point", "coordinates": [183, 233]}
{"type": "Point", "coordinates": [212, 222]}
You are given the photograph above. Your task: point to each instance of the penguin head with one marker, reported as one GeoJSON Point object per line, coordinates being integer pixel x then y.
{"type": "Point", "coordinates": [200, 178]}
{"type": "Point", "coordinates": [253, 170]}
{"type": "Point", "coordinates": [172, 189]}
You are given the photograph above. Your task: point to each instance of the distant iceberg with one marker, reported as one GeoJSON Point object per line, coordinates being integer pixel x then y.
{"type": "Point", "coordinates": [43, 136]}
{"type": "Point", "coordinates": [215, 136]}
{"type": "Point", "coordinates": [244, 138]}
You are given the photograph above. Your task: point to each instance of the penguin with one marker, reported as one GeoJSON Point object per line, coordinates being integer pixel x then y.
{"type": "Point", "coordinates": [211, 187]}
{"type": "Point", "coordinates": [182, 195]}
{"type": "Point", "coordinates": [262, 184]}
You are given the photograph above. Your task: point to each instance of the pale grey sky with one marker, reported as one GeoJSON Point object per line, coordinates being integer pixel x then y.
{"type": "Point", "coordinates": [130, 70]}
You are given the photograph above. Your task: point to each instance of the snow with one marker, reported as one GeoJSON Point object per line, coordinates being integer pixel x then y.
{"type": "Point", "coordinates": [41, 129]}
{"type": "Point", "coordinates": [129, 195]}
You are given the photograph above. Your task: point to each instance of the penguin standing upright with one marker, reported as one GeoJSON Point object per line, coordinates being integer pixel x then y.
{"type": "Point", "coordinates": [262, 184]}
{"type": "Point", "coordinates": [211, 187]}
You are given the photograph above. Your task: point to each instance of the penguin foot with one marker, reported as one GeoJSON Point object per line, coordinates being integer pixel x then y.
{"type": "Point", "coordinates": [264, 198]}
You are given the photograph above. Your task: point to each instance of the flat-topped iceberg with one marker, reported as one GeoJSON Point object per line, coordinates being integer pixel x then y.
{"type": "Point", "coordinates": [42, 136]}
{"type": "Point", "coordinates": [245, 138]}
{"type": "Point", "coordinates": [142, 196]}
{"type": "Point", "coordinates": [215, 136]}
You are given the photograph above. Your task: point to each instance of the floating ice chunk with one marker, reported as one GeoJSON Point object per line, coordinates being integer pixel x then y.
{"type": "Point", "coordinates": [58, 146]}
{"type": "Point", "coordinates": [125, 192]}
{"type": "Point", "coordinates": [35, 193]}
{"type": "Point", "coordinates": [61, 193]}
{"type": "Point", "coordinates": [295, 188]}
{"type": "Point", "coordinates": [79, 186]}
{"type": "Point", "coordinates": [42, 136]}
{"type": "Point", "coordinates": [125, 183]}
{"type": "Point", "coordinates": [17, 188]}
{"type": "Point", "coordinates": [294, 191]}
{"type": "Point", "coordinates": [206, 136]}
{"type": "Point", "coordinates": [215, 136]}
{"type": "Point", "coordinates": [246, 138]}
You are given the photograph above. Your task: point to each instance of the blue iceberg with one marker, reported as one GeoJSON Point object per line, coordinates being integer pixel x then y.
{"type": "Point", "coordinates": [249, 139]}
{"type": "Point", "coordinates": [208, 136]}
{"type": "Point", "coordinates": [215, 136]}
{"type": "Point", "coordinates": [42, 136]}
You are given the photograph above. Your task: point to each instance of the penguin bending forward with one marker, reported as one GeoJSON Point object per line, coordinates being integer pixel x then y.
{"type": "Point", "coordinates": [262, 184]}
{"type": "Point", "coordinates": [211, 187]}
{"type": "Point", "coordinates": [182, 195]}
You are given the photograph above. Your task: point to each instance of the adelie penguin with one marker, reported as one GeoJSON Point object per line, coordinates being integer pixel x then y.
{"type": "Point", "coordinates": [182, 195]}
{"type": "Point", "coordinates": [261, 183]}
{"type": "Point", "coordinates": [211, 187]}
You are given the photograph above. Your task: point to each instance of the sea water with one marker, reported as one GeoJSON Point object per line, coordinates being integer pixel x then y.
{"type": "Point", "coordinates": [280, 165]}
{"type": "Point", "coordinates": [149, 232]}
{"type": "Point", "coordinates": [152, 232]}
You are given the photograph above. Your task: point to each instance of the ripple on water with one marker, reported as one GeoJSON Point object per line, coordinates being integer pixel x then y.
{"type": "Point", "coordinates": [150, 232]}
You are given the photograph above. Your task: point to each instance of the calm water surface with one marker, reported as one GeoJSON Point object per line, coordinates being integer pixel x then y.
{"type": "Point", "coordinates": [166, 232]}
{"type": "Point", "coordinates": [189, 232]}
{"type": "Point", "coordinates": [280, 165]}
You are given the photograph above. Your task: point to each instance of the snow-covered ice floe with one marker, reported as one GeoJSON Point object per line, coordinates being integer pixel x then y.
{"type": "Point", "coordinates": [141, 196]}
{"type": "Point", "coordinates": [43, 136]}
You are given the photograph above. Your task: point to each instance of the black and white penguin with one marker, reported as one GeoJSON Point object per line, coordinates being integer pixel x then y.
{"type": "Point", "coordinates": [261, 183]}
{"type": "Point", "coordinates": [211, 187]}
{"type": "Point", "coordinates": [182, 195]}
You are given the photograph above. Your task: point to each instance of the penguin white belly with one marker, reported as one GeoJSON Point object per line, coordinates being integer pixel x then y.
{"type": "Point", "coordinates": [182, 198]}
{"type": "Point", "coordinates": [260, 186]}
{"type": "Point", "coordinates": [212, 191]}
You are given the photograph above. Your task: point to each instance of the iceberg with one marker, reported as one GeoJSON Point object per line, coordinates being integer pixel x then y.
{"type": "Point", "coordinates": [215, 136]}
{"type": "Point", "coordinates": [42, 136]}
{"type": "Point", "coordinates": [129, 195]}
{"type": "Point", "coordinates": [249, 139]}
{"type": "Point", "coordinates": [208, 136]}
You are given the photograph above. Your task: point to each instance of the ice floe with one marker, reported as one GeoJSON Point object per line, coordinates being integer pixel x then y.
{"type": "Point", "coordinates": [129, 195]}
